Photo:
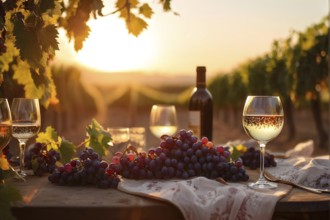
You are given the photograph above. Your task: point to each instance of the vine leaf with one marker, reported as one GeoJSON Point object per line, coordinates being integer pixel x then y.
{"type": "Point", "coordinates": [27, 42]}
{"type": "Point", "coordinates": [166, 5]}
{"type": "Point", "coordinates": [67, 150]}
{"type": "Point", "coordinates": [80, 37]}
{"type": "Point", "coordinates": [32, 41]}
{"type": "Point", "coordinates": [49, 137]}
{"type": "Point", "coordinates": [9, 5]}
{"type": "Point", "coordinates": [45, 5]}
{"type": "Point", "coordinates": [39, 78]}
{"type": "Point", "coordinates": [35, 164]}
{"type": "Point", "coordinates": [136, 25]}
{"type": "Point", "coordinates": [97, 6]}
{"type": "Point", "coordinates": [77, 28]}
{"type": "Point", "coordinates": [4, 165]}
{"type": "Point", "coordinates": [48, 37]}
{"type": "Point", "coordinates": [98, 138]}
{"type": "Point", "coordinates": [125, 7]}
{"type": "Point", "coordinates": [146, 10]}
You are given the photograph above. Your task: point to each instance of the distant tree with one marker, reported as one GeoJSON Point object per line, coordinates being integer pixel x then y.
{"type": "Point", "coordinates": [220, 89]}
{"type": "Point", "coordinates": [312, 71]}
{"type": "Point", "coordinates": [258, 77]}
{"type": "Point", "coordinates": [237, 94]}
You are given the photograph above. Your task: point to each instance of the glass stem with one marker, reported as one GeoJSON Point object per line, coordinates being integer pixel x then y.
{"type": "Point", "coordinates": [262, 158]}
{"type": "Point", "coordinates": [21, 155]}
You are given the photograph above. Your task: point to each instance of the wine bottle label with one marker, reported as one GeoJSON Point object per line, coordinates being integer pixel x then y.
{"type": "Point", "coordinates": [195, 122]}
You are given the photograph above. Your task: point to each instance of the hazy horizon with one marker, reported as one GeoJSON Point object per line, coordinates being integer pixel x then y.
{"type": "Point", "coordinates": [223, 35]}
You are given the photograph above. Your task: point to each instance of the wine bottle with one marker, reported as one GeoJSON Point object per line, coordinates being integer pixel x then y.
{"type": "Point", "coordinates": [201, 107]}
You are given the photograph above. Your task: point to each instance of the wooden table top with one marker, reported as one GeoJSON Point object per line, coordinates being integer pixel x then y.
{"type": "Point", "coordinates": [44, 200]}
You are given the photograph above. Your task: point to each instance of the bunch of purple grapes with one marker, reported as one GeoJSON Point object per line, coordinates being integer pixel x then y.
{"type": "Point", "coordinates": [40, 159]}
{"type": "Point", "coordinates": [251, 159]}
{"type": "Point", "coordinates": [182, 156]}
{"type": "Point", "coordinates": [88, 169]}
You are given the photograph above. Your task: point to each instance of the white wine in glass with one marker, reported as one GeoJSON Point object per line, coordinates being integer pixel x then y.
{"type": "Point", "coordinates": [5, 127]}
{"type": "Point", "coordinates": [26, 124]}
{"type": "Point", "coordinates": [263, 120]}
{"type": "Point", "coordinates": [163, 120]}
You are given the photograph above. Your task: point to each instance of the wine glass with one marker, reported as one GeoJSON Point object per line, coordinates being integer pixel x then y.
{"type": "Point", "coordinates": [138, 138]}
{"type": "Point", "coordinates": [5, 126]}
{"type": "Point", "coordinates": [120, 140]}
{"type": "Point", "coordinates": [26, 124]}
{"type": "Point", "coordinates": [263, 120]}
{"type": "Point", "coordinates": [163, 120]}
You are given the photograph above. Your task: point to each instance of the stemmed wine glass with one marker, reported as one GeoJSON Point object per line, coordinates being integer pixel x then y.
{"type": "Point", "coordinates": [163, 120]}
{"type": "Point", "coordinates": [5, 126]}
{"type": "Point", "coordinates": [26, 124]}
{"type": "Point", "coordinates": [120, 140]}
{"type": "Point", "coordinates": [263, 120]}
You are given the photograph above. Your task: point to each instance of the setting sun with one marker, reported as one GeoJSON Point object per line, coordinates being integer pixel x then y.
{"type": "Point", "coordinates": [110, 48]}
{"type": "Point", "coordinates": [176, 44]}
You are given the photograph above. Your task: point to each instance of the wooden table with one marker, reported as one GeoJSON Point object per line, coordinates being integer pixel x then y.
{"type": "Point", "coordinates": [44, 200]}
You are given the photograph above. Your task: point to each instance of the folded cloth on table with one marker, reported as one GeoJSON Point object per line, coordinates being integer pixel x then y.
{"type": "Point", "coordinates": [202, 198]}
{"type": "Point", "coordinates": [311, 172]}
{"type": "Point", "coordinates": [301, 168]}
{"type": "Point", "coordinates": [303, 149]}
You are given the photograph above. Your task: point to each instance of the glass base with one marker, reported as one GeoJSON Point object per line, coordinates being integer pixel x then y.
{"type": "Point", "coordinates": [21, 174]}
{"type": "Point", "coordinates": [263, 185]}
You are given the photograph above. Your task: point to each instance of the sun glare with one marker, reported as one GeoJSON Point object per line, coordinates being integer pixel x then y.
{"type": "Point", "coordinates": [110, 48]}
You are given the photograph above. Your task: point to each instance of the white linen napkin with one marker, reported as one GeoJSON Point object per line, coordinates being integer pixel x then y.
{"type": "Point", "coordinates": [202, 198]}
{"type": "Point", "coordinates": [302, 169]}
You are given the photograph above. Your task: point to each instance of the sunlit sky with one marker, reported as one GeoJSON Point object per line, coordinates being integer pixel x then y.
{"type": "Point", "coordinates": [219, 34]}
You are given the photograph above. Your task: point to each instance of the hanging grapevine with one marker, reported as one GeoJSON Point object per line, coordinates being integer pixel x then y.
{"type": "Point", "coordinates": [29, 35]}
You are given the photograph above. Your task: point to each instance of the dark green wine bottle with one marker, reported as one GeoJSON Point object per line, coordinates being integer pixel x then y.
{"type": "Point", "coordinates": [201, 107]}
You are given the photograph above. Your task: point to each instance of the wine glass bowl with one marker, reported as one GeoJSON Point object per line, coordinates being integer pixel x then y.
{"type": "Point", "coordinates": [263, 120]}
{"type": "Point", "coordinates": [5, 123]}
{"type": "Point", "coordinates": [120, 140]}
{"type": "Point", "coordinates": [26, 123]}
{"type": "Point", "coordinates": [5, 128]}
{"type": "Point", "coordinates": [163, 120]}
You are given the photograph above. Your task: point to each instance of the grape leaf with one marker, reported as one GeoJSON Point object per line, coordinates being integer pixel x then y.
{"type": "Point", "coordinates": [8, 196]}
{"type": "Point", "coordinates": [4, 165]}
{"type": "Point", "coordinates": [45, 5]}
{"type": "Point", "coordinates": [125, 8]}
{"type": "Point", "coordinates": [2, 10]}
{"type": "Point", "coordinates": [97, 6]}
{"type": "Point", "coordinates": [166, 5]}
{"type": "Point", "coordinates": [10, 5]}
{"type": "Point", "coordinates": [81, 36]}
{"type": "Point", "coordinates": [39, 78]}
{"type": "Point", "coordinates": [123, 3]}
{"type": "Point", "coordinates": [237, 151]}
{"type": "Point", "coordinates": [35, 164]}
{"type": "Point", "coordinates": [145, 10]}
{"type": "Point", "coordinates": [48, 37]}
{"type": "Point", "coordinates": [49, 137]}
{"type": "Point", "coordinates": [67, 149]}
{"type": "Point", "coordinates": [136, 25]}
{"type": "Point", "coordinates": [98, 138]}
{"type": "Point", "coordinates": [78, 28]}
{"type": "Point", "coordinates": [30, 5]}
{"type": "Point", "coordinates": [27, 42]}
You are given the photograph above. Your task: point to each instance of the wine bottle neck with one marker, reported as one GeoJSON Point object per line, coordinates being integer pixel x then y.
{"type": "Point", "coordinates": [200, 80]}
{"type": "Point", "coordinates": [201, 85]}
